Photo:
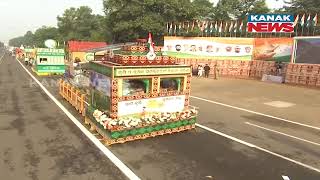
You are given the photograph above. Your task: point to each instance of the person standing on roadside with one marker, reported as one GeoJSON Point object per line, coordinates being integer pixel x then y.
{"type": "Point", "coordinates": [206, 70]}
{"type": "Point", "coordinates": [216, 71]}
{"type": "Point", "coordinates": [200, 71]}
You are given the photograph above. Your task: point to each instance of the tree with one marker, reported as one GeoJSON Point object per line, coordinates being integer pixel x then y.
{"type": "Point", "coordinates": [303, 6]}
{"type": "Point", "coordinates": [27, 40]}
{"type": "Point", "coordinates": [129, 20]}
{"type": "Point", "coordinates": [239, 9]}
{"type": "Point", "coordinates": [45, 33]}
{"type": "Point", "coordinates": [79, 24]}
{"type": "Point", "coordinates": [203, 9]}
{"type": "Point", "coordinates": [16, 42]}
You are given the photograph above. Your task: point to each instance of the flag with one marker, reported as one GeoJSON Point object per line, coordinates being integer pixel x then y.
{"type": "Point", "coordinates": [192, 28]}
{"type": "Point", "coordinates": [296, 21]}
{"type": "Point", "coordinates": [216, 26]}
{"type": "Point", "coordinates": [175, 29]}
{"type": "Point", "coordinates": [180, 28]}
{"type": "Point", "coordinates": [315, 20]}
{"type": "Point", "coordinates": [231, 26]}
{"type": "Point", "coordinates": [226, 27]}
{"type": "Point", "coordinates": [220, 28]}
{"type": "Point", "coordinates": [199, 24]}
{"type": "Point", "coordinates": [188, 26]}
{"type": "Point", "coordinates": [171, 29]}
{"type": "Point", "coordinates": [235, 28]}
{"type": "Point", "coordinates": [302, 20]}
{"type": "Point", "coordinates": [207, 27]}
{"type": "Point", "coordinates": [309, 21]}
{"type": "Point", "coordinates": [211, 28]}
{"type": "Point", "coordinates": [150, 44]}
{"type": "Point", "coordinates": [203, 26]}
{"type": "Point", "coordinates": [241, 26]}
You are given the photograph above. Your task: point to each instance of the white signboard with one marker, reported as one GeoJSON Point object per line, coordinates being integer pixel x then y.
{"type": "Point", "coordinates": [160, 104]}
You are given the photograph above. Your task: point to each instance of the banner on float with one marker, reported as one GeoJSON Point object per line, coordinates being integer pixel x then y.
{"type": "Point", "coordinates": [273, 49]}
{"type": "Point", "coordinates": [215, 48]}
{"type": "Point", "coordinates": [152, 105]}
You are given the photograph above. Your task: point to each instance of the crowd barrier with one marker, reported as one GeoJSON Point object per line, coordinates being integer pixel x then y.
{"type": "Point", "coordinates": [73, 96]}
{"type": "Point", "coordinates": [296, 74]}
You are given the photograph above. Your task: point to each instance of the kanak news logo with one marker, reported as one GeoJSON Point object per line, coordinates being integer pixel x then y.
{"type": "Point", "coordinates": [269, 23]}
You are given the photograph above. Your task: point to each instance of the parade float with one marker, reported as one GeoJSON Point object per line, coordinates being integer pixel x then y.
{"type": "Point", "coordinates": [139, 93]}
{"type": "Point", "coordinates": [29, 53]}
{"type": "Point", "coordinates": [49, 61]}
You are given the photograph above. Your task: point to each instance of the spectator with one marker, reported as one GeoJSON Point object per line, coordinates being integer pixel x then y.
{"type": "Point", "coordinates": [206, 70]}
{"type": "Point", "coordinates": [200, 71]}
{"type": "Point", "coordinates": [216, 71]}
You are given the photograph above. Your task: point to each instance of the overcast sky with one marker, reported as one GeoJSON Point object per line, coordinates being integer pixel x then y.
{"type": "Point", "coordinates": [19, 16]}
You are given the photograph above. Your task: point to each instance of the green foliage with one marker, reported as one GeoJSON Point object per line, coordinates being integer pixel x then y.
{"type": "Point", "coordinates": [203, 9]}
{"type": "Point", "coordinates": [302, 6]}
{"type": "Point", "coordinates": [75, 24]}
{"type": "Point", "coordinates": [81, 24]}
{"type": "Point", "coordinates": [36, 39]}
{"type": "Point", "coordinates": [239, 9]}
{"type": "Point", "coordinates": [129, 20]}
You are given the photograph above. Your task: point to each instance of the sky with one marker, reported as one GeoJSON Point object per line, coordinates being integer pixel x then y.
{"type": "Point", "coordinates": [19, 16]}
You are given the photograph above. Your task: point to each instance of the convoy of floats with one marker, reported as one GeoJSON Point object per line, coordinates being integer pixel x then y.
{"type": "Point", "coordinates": [135, 91]}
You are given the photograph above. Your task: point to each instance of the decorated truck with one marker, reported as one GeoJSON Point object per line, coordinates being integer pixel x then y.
{"type": "Point", "coordinates": [49, 61]}
{"type": "Point", "coordinates": [139, 93]}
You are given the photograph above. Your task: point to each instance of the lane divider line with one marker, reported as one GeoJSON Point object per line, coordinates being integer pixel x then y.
{"type": "Point", "coordinates": [257, 113]}
{"type": "Point", "coordinates": [281, 133]}
{"type": "Point", "coordinates": [115, 160]}
{"type": "Point", "coordinates": [258, 148]}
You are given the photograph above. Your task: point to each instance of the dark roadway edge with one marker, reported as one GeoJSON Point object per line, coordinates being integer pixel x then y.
{"type": "Point", "coordinates": [241, 143]}
{"type": "Point", "coordinates": [117, 162]}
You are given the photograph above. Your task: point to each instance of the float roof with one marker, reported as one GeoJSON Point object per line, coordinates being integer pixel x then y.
{"type": "Point", "coordinates": [83, 46]}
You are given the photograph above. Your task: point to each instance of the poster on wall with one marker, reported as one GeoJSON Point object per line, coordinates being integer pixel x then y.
{"type": "Point", "coordinates": [101, 83]}
{"type": "Point", "coordinates": [307, 50]}
{"type": "Point", "coordinates": [152, 105]}
{"type": "Point", "coordinates": [273, 49]}
{"type": "Point", "coordinates": [215, 48]}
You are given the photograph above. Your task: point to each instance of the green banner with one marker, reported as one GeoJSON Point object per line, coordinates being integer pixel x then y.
{"type": "Point", "coordinates": [51, 68]}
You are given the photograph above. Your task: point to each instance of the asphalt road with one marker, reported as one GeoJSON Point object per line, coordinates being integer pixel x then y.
{"type": "Point", "coordinates": [193, 155]}
{"type": "Point", "coordinates": [38, 141]}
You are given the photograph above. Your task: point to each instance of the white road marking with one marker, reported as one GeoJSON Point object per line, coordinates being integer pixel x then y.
{"type": "Point", "coordinates": [285, 178]}
{"type": "Point", "coordinates": [257, 113]}
{"type": "Point", "coordinates": [103, 148]}
{"type": "Point", "coordinates": [259, 148]}
{"type": "Point", "coordinates": [294, 137]}
{"type": "Point", "coordinates": [279, 104]}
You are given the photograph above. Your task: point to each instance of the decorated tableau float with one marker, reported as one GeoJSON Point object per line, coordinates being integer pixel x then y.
{"type": "Point", "coordinates": [139, 93]}
{"type": "Point", "coordinates": [49, 61]}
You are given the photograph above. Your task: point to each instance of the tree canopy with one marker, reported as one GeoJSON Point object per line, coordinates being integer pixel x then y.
{"type": "Point", "coordinates": [302, 6]}
{"type": "Point", "coordinates": [75, 24]}
{"type": "Point", "coordinates": [127, 20]}
{"type": "Point", "coordinates": [80, 24]}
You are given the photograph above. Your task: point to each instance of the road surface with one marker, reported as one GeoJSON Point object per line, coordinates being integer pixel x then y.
{"type": "Point", "coordinates": [41, 142]}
